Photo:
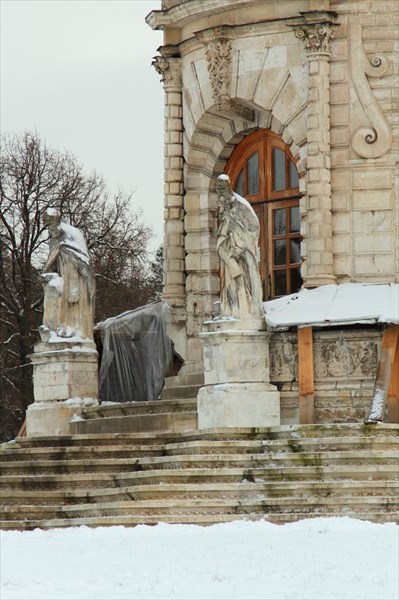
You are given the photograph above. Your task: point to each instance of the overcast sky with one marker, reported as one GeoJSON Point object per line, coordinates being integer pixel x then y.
{"type": "Point", "coordinates": [79, 72]}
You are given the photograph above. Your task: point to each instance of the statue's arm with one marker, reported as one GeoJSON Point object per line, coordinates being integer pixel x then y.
{"type": "Point", "coordinates": [49, 266]}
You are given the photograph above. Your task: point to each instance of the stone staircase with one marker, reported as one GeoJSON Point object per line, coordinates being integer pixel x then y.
{"type": "Point", "coordinates": [99, 477]}
{"type": "Point", "coordinates": [177, 411]}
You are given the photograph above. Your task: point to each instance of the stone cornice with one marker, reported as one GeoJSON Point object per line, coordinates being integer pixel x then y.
{"type": "Point", "coordinates": [183, 13]}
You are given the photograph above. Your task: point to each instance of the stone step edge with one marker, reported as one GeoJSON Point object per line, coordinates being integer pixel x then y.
{"type": "Point", "coordinates": [197, 505]}
{"type": "Point", "coordinates": [301, 487]}
{"type": "Point", "coordinates": [203, 443]}
{"type": "Point", "coordinates": [197, 447]}
{"type": "Point", "coordinates": [219, 433]}
{"type": "Point", "coordinates": [201, 520]}
{"type": "Point", "coordinates": [245, 473]}
{"type": "Point", "coordinates": [139, 408]}
{"type": "Point", "coordinates": [318, 459]}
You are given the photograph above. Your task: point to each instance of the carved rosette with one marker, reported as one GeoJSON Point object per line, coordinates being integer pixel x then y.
{"type": "Point", "coordinates": [169, 69]}
{"type": "Point", "coordinates": [316, 37]}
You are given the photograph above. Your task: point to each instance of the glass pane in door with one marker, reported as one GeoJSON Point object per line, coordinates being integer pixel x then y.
{"type": "Point", "coordinates": [295, 245]}
{"type": "Point", "coordinates": [278, 169]}
{"type": "Point", "coordinates": [296, 280]}
{"type": "Point", "coordinates": [240, 183]}
{"type": "Point", "coordinates": [280, 283]}
{"type": "Point", "coordinates": [295, 219]}
{"type": "Point", "coordinates": [294, 179]}
{"type": "Point", "coordinates": [279, 221]}
{"type": "Point", "coordinates": [253, 174]}
{"type": "Point", "coordinates": [280, 252]}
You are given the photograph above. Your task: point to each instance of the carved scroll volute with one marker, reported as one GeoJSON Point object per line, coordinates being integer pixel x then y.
{"type": "Point", "coordinates": [316, 37]}
{"type": "Point", "coordinates": [169, 68]}
{"type": "Point", "coordinates": [374, 140]}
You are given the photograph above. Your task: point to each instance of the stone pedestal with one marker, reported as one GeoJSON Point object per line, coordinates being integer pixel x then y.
{"type": "Point", "coordinates": [65, 378]}
{"type": "Point", "coordinates": [237, 390]}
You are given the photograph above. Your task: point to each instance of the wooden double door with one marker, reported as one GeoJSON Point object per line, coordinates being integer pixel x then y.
{"type": "Point", "coordinates": [262, 170]}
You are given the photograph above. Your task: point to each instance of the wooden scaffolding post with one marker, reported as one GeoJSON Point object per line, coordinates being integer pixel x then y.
{"type": "Point", "coordinates": [305, 375]}
{"type": "Point", "coordinates": [386, 387]}
{"type": "Point", "coordinates": [393, 390]}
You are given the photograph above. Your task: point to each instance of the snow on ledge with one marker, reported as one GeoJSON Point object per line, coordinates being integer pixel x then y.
{"type": "Point", "coordinates": [328, 305]}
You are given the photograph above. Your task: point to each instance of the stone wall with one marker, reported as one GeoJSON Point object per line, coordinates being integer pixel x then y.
{"type": "Point", "coordinates": [345, 364]}
{"type": "Point", "coordinates": [364, 94]}
{"type": "Point", "coordinates": [322, 74]}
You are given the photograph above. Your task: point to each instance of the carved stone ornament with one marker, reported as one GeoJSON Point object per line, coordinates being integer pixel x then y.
{"type": "Point", "coordinates": [317, 37]}
{"type": "Point", "coordinates": [218, 54]}
{"type": "Point", "coordinates": [374, 140]}
{"type": "Point", "coordinates": [169, 69]}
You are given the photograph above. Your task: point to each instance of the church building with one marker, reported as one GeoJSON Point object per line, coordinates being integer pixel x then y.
{"type": "Point", "coordinates": [297, 102]}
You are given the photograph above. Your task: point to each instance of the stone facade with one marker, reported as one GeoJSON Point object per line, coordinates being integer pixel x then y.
{"type": "Point", "coordinates": [324, 76]}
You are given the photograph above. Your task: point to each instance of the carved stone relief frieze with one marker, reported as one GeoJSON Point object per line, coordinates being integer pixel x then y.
{"type": "Point", "coordinates": [374, 138]}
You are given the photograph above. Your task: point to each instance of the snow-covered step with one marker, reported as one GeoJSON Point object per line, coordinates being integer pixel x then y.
{"type": "Point", "coordinates": [195, 506]}
{"type": "Point", "coordinates": [204, 520]}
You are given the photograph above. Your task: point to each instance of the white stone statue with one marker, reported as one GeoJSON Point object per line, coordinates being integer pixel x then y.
{"type": "Point", "coordinates": [237, 245]}
{"type": "Point", "coordinates": [69, 284]}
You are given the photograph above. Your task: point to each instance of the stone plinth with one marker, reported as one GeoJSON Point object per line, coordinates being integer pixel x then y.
{"type": "Point", "coordinates": [65, 378]}
{"type": "Point", "coordinates": [237, 390]}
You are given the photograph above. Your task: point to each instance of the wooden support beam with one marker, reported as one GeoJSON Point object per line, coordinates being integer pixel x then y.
{"type": "Point", "coordinates": [386, 386]}
{"type": "Point", "coordinates": [22, 430]}
{"type": "Point", "coordinates": [305, 375]}
{"type": "Point", "coordinates": [393, 390]}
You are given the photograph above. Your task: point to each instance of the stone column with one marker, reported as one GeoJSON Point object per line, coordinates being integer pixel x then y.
{"type": "Point", "coordinates": [319, 261]}
{"type": "Point", "coordinates": [168, 65]}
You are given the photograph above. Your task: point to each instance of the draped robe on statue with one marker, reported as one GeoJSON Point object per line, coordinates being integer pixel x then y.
{"type": "Point", "coordinates": [237, 245]}
{"type": "Point", "coordinates": [68, 282]}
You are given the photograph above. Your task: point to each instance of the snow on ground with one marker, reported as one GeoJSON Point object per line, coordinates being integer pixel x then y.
{"type": "Point", "coordinates": [312, 559]}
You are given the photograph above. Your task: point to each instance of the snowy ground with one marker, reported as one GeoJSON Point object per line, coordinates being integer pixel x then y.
{"type": "Point", "coordinates": [313, 559]}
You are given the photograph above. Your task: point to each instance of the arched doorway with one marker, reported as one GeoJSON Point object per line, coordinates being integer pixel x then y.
{"type": "Point", "coordinates": [262, 169]}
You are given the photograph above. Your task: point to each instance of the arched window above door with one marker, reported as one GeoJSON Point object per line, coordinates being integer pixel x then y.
{"type": "Point", "coordinates": [263, 170]}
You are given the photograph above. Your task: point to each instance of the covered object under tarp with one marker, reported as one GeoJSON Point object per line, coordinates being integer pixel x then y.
{"type": "Point", "coordinates": [136, 354]}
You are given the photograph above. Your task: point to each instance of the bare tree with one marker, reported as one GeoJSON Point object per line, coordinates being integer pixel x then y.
{"type": "Point", "coordinates": [33, 178]}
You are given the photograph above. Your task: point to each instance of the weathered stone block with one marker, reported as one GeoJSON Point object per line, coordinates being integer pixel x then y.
{"type": "Point", "coordinates": [238, 405]}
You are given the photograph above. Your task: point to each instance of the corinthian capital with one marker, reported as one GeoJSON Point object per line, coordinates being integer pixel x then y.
{"type": "Point", "coordinates": [317, 37]}
{"type": "Point", "coordinates": [169, 68]}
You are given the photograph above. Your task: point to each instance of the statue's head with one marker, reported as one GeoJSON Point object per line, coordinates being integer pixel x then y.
{"type": "Point", "coordinates": [51, 219]}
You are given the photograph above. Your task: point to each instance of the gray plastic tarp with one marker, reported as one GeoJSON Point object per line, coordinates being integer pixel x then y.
{"type": "Point", "coordinates": [136, 354]}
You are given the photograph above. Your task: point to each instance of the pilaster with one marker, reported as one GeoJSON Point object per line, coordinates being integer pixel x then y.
{"type": "Point", "coordinates": [168, 65]}
{"type": "Point", "coordinates": [316, 31]}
